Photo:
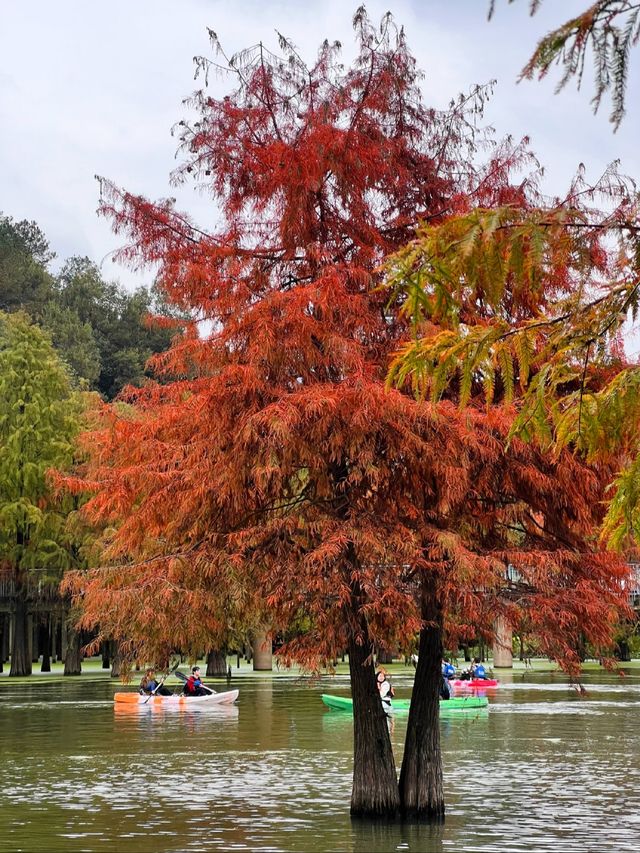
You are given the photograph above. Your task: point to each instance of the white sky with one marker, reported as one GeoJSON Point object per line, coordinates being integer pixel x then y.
{"type": "Point", "coordinates": [93, 87]}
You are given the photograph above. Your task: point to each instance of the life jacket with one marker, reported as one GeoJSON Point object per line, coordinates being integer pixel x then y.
{"type": "Point", "coordinates": [479, 671]}
{"type": "Point", "coordinates": [191, 683]}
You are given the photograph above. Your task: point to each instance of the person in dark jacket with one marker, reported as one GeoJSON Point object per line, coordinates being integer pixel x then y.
{"type": "Point", "coordinates": [150, 684]}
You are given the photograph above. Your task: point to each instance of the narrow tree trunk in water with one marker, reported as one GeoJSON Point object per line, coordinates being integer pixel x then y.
{"type": "Point", "coordinates": [375, 784]}
{"type": "Point", "coordinates": [216, 664]}
{"type": "Point", "coordinates": [45, 666]}
{"type": "Point", "coordinates": [73, 657]}
{"type": "Point", "coordinates": [20, 657]}
{"type": "Point", "coordinates": [421, 785]}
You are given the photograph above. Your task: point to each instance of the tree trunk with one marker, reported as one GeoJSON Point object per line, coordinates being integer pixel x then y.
{"type": "Point", "coordinates": [216, 664]}
{"type": "Point", "coordinates": [106, 654]}
{"type": "Point", "coordinates": [421, 784]}
{"type": "Point", "coordinates": [2, 630]}
{"type": "Point", "coordinates": [375, 784]}
{"type": "Point", "coordinates": [384, 655]}
{"type": "Point", "coordinates": [20, 656]}
{"type": "Point", "coordinates": [73, 657]}
{"type": "Point", "coordinates": [116, 663]}
{"type": "Point", "coordinates": [45, 630]}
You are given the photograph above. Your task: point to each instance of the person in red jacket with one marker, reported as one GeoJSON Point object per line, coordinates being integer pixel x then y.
{"type": "Point", "coordinates": [193, 685]}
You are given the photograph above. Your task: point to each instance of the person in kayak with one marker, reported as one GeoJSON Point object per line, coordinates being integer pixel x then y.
{"type": "Point", "coordinates": [448, 669]}
{"type": "Point", "coordinates": [477, 670]}
{"type": "Point", "coordinates": [384, 687]}
{"type": "Point", "coordinates": [150, 684]}
{"type": "Point", "coordinates": [193, 685]}
{"type": "Point", "coordinates": [445, 688]}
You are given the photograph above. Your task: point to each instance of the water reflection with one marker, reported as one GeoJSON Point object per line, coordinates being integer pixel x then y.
{"type": "Point", "coordinates": [273, 773]}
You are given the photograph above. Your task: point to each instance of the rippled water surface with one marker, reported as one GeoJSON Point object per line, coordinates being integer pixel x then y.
{"type": "Point", "coordinates": [543, 770]}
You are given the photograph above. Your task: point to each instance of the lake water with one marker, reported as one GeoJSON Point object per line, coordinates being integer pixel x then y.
{"type": "Point", "coordinates": [543, 770]}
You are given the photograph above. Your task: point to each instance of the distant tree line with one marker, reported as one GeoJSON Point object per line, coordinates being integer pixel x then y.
{"type": "Point", "coordinates": [64, 339]}
{"type": "Point", "coordinates": [96, 326]}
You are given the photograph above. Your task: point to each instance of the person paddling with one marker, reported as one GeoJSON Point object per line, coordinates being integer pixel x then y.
{"type": "Point", "coordinates": [149, 684]}
{"type": "Point", "coordinates": [448, 669]}
{"type": "Point", "coordinates": [193, 685]}
{"type": "Point", "coordinates": [477, 670]}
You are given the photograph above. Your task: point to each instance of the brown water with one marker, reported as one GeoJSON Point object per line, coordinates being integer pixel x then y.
{"type": "Point", "coordinates": [543, 770]}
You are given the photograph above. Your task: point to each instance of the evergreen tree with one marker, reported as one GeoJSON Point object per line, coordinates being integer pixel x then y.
{"type": "Point", "coordinates": [39, 418]}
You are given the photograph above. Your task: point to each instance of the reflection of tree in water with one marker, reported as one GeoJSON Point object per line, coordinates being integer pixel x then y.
{"type": "Point", "coordinates": [449, 722]}
{"type": "Point", "coordinates": [379, 837]}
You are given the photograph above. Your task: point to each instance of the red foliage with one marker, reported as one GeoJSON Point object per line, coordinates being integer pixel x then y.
{"type": "Point", "coordinates": [272, 471]}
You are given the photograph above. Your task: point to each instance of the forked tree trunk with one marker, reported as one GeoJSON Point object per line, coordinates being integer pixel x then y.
{"type": "Point", "coordinates": [45, 631]}
{"type": "Point", "coordinates": [375, 784]}
{"type": "Point", "coordinates": [216, 664]}
{"type": "Point", "coordinates": [73, 657]}
{"type": "Point", "coordinates": [20, 656]}
{"type": "Point", "coordinates": [421, 784]}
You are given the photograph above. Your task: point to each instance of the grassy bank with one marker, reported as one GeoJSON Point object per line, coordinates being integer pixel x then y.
{"type": "Point", "coordinates": [92, 669]}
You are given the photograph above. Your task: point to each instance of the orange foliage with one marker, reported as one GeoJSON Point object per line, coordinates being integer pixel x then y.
{"type": "Point", "coordinates": [271, 473]}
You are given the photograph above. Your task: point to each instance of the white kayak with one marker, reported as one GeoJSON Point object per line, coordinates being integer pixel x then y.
{"type": "Point", "coordinates": [228, 697]}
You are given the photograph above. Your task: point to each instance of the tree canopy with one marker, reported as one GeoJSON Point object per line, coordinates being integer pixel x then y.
{"type": "Point", "coordinates": [100, 330]}
{"type": "Point", "coordinates": [39, 420]}
{"type": "Point", "coordinates": [271, 461]}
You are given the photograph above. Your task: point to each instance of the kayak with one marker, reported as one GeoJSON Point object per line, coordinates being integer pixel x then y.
{"type": "Point", "coordinates": [474, 682]}
{"type": "Point", "coordinates": [226, 698]}
{"type": "Point", "coordinates": [459, 704]}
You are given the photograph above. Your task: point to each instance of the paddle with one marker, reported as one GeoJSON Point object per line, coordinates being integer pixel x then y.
{"type": "Point", "coordinates": [183, 678]}
{"type": "Point", "coordinates": [160, 683]}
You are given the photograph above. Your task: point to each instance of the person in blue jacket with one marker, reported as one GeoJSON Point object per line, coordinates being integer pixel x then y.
{"type": "Point", "coordinates": [150, 684]}
{"type": "Point", "coordinates": [477, 670]}
{"type": "Point", "coordinates": [448, 669]}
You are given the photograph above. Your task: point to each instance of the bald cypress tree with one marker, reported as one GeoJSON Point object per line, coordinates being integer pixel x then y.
{"type": "Point", "coordinates": [39, 417]}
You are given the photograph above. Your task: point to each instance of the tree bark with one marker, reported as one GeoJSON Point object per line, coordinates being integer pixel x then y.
{"type": "Point", "coordinates": [216, 664]}
{"type": "Point", "coordinates": [375, 784]}
{"type": "Point", "coordinates": [45, 630]}
{"type": "Point", "coordinates": [73, 657]}
{"type": "Point", "coordinates": [20, 657]}
{"type": "Point", "coordinates": [116, 661]}
{"type": "Point", "coordinates": [421, 783]}
{"type": "Point", "coordinates": [106, 654]}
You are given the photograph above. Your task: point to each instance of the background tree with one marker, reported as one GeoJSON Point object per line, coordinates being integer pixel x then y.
{"type": "Point", "coordinates": [25, 283]}
{"type": "Point", "coordinates": [609, 28]}
{"type": "Point", "coordinates": [273, 458]}
{"type": "Point", "coordinates": [103, 333]}
{"type": "Point", "coordinates": [39, 419]}
{"type": "Point", "coordinates": [123, 340]}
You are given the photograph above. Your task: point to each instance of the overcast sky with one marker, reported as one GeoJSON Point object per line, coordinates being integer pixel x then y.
{"type": "Point", "coordinates": [93, 87]}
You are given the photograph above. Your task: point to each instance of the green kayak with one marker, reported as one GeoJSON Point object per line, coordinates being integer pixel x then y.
{"type": "Point", "coordinates": [458, 703]}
